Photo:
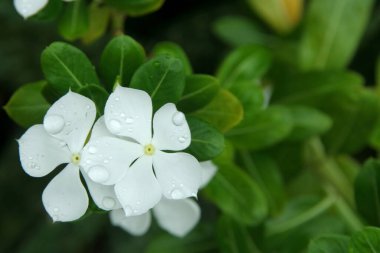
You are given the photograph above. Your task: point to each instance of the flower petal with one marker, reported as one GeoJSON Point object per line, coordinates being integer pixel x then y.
{"type": "Point", "coordinates": [40, 153]}
{"type": "Point", "coordinates": [70, 119]}
{"type": "Point", "coordinates": [135, 225]}
{"type": "Point", "coordinates": [177, 217]}
{"type": "Point", "coordinates": [128, 113]}
{"type": "Point", "coordinates": [28, 8]}
{"type": "Point", "coordinates": [139, 190]}
{"type": "Point", "coordinates": [100, 129]}
{"type": "Point", "coordinates": [179, 174]}
{"type": "Point", "coordinates": [65, 198]}
{"type": "Point", "coordinates": [106, 159]}
{"type": "Point", "coordinates": [103, 195]}
{"type": "Point", "coordinates": [208, 169]}
{"type": "Point", "coordinates": [171, 131]}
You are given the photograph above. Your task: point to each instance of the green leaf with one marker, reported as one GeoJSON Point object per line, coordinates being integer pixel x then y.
{"type": "Point", "coordinates": [163, 77]}
{"type": "Point", "coordinates": [206, 142]}
{"type": "Point", "coordinates": [237, 195]}
{"type": "Point", "coordinates": [97, 94]}
{"type": "Point", "coordinates": [250, 95]}
{"type": "Point", "coordinates": [234, 238]}
{"type": "Point", "coordinates": [329, 244]}
{"type": "Point", "coordinates": [366, 241]}
{"type": "Point", "coordinates": [49, 12]}
{"type": "Point", "coordinates": [66, 67]}
{"type": "Point", "coordinates": [136, 7]}
{"type": "Point", "coordinates": [120, 59]}
{"type": "Point", "coordinates": [330, 35]}
{"type": "Point", "coordinates": [27, 106]}
{"type": "Point", "coordinates": [199, 91]}
{"type": "Point", "coordinates": [239, 30]}
{"type": "Point", "coordinates": [73, 23]}
{"type": "Point", "coordinates": [262, 129]}
{"type": "Point", "coordinates": [367, 192]}
{"type": "Point", "coordinates": [377, 74]}
{"type": "Point", "coordinates": [99, 17]}
{"type": "Point", "coordinates": [174, 50]}
{"type": "Point", "coordinates": [308, 122]}
{"type": "Point", "coordinates": [246, 63]}
{"type": "Point", "coordinates": [223, 112]}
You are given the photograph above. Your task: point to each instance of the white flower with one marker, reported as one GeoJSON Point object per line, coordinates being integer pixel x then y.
{"type": "Point", "coordinates": [28, 8]}
{"type": "Point", "coordinates": [178, 217]}
{"type": "Point", "coordinates": [140, 186]}
{"type": "Point", "coordinates": [60, 141]}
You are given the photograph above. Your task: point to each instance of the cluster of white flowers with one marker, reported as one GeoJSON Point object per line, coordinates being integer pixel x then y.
{"type": "Point", "coordinates": [127, 169]}
{"type": "Point", "coordinates": [28, 8]}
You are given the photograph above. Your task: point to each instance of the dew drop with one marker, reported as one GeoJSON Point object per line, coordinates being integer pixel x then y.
{"type": "Point", "coordinates": [176, 194]}
{"type": "Point", "coordinates": [56, 210]}
{"type": "Point", "coordinates": [122, 115]}
{"type": "Point", "coordinates": [108, 202]}
{"type": "Point", "coordinates": [88, 107]}
{"type": "Point", "coordinates": [115, 125]}
{"type": "Point", "coordinates": [98, 174]}
{"type": "Point", "coordinates": [128, 210]}
{"type": "Point", "coordinates": [129, 120]}
{"type": "Point", "coordinates": [30, 158]}
{"type": "Point", "coordinates": [54, 124]}
{"type": "Point", "coordinates": [178, 118]}
{"type": "Point", "coordinates": [106, 161]}
{"type": "Point", "coordinates": [182, 139]}
{"type": "Point", "coordinates": [117, 98]}
{"type": "Point", "coordinates": [92, 150]}
{"type": "Point", "coordinates": [55, 218]}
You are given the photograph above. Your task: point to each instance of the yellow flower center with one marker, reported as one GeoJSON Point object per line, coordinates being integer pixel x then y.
{"type": "Point", "coordinates": [75, 158]}
{"type": "Point", "coordinates": [149, 149]}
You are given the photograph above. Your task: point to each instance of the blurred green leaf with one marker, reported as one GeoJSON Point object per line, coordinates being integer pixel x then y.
{"type": "Point", "coordinates": [49, 12]}
{"type": "Point", "coordinates": [66, 67]}
{"type": "Point", "coordinates": [245, 63]}
{"type": "Point", "coordinates": [27, 106]}
{"type": "Point", "coordinates": [99, 17]}
{"type": "Point", "coordinates": [136, 7]}
{"type": "Point", "coordinates": [234, 238]}
{"type": "Point", "coordinates": [239, 31]}
{"type": "Point", "coordinates": [262, 129]}
{"type": "Point", "coordinates": [206, 142]}
{"type": "Point", "coordinates": [250, 95]}
{"type": "Point", "coordinates": [329, 244]}
{"type": "Point", "coordinates": [73, 23]}
{"type": "Point", "coordinates": [163, 77]}
{"type": "Point", "coordinates": [120, 59]}
{"type": "Point", "coordinates": [367, 192]}
{"type": "Point", "coordinates": [366, 241]}
{"type": "Point", "coordinates": [237, 195]}
{"type": "Point", "coordinates": [174, 50]}
{"type": "Point", "coordinates": [223, 112]}
{"type": "Point", "coordinates": [330, 35]}
{"type": "Point", "coordinates": [308, 122]}
{"type": "Point", "coordinates": [199, 91]}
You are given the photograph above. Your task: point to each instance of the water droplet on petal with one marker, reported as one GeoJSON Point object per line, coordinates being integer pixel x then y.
{"type": "Point", "coordinates": [92, 150]}
{"type": "Point", "coordinates": [176, 194]}
{"type": "Point", "coordinates": [108, 202]}
{"type": "Point", "coordinates": [182, 139]}
{"type": "Point", "coordinates": [129, 120]}
{"type": "Point", "coordinates": [178, 118]}
{"type": "Point", "coordinates": [115, 125]}
{"type": "Point", "coordinates": [106, 161]}
{"type": "Point", "coordinates": [117, 98]}
{"type": "Point", "coordinates": [30, 158]}
{"type": "Point", "coordinates": [54, 124]}
{"type": "Point", "coordinates": [55, 218]}
{"type": "Point", "coordinates": [98, 174]}
{"type": "Point", "coordinates": [56, 210]}
{"type": "Point", "coordinates": [128, 210]}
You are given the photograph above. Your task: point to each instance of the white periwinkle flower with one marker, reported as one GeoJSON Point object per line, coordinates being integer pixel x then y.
{"type": "Point", "coordinates": [153, 173]}
{"type": "Point", "coordinates": [178, 217]}
{"type": "Point", "coordinates": [60, 141]}
{"type": "Point", "coordinates": [28, 8]}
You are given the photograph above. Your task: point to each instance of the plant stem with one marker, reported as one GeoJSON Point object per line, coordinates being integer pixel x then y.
{"type": "Point", "coordinates": [118, 20]}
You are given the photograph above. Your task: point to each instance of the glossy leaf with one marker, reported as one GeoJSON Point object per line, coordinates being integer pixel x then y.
{"type": "Point", "coordinates": [246, 63]}
{"type": "Point", "coordinates": [262, 129]}
{"type": "Point", "coordinates": [329, 244]}
{"type": "Point", "coordinates": [66, 67]}
{"type": "Point", "coordinates": [73, 23]}
{"type": "Point", "coordinates": [250, 94]}
{"type": "Point", "coordinates": [50, 11]}
{"type": "Point", "coordinates": [366, 241]}
{"type": "Point", "coordinates": [237, 195]}
{"type": "Point", "coordinates": [367, 192]}
{"type": "Point", "coordinates": [163, 77]}
{"type": "Point", "coordinates": [136, 7]}
{"type": "Point", "coordinates": [330, 35]}
{"type": "Point", "coordinates": [199, 91]}
{"type": "Point", "coordinates": [120, 59]}
{"type": "Point", "coordinates": [206, 142]}
{"type": "Point", "coordinates": [174, 50]}
{"type": "Point", "coordinates": [27, 106]}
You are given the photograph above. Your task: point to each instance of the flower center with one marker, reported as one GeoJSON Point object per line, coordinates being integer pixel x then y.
{"type": "Point", "coordinates": [75, 158]}
{"type": "Point", "coordinates": [149, 149]}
